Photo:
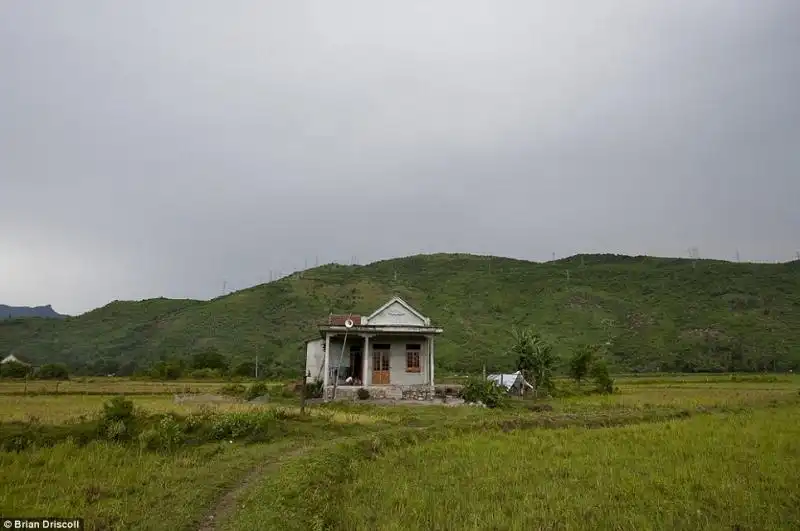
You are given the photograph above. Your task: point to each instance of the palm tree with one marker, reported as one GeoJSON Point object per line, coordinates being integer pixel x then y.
{"type": "Point", "coordinates": [535, 358]}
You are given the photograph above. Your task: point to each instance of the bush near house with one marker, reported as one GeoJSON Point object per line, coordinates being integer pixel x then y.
{"type": "Point", "coordinates": [13, 369]}
{"type": "Point", "coordinates": [479, 390]}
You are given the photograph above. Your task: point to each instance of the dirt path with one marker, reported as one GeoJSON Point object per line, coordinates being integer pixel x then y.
{"type": "Point", "coordinates": [226, 505]}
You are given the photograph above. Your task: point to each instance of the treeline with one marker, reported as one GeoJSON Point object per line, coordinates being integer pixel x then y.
{"type": "Point", "coordinates": [208, 364]}
{"type": "Point", "coordinates": [49, 371]}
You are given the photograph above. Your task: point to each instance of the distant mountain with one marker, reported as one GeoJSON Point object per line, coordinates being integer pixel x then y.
{"type": "Point", "coordinates": [12, 312]}
{"type": "Point", "coordinates": [653, 314]}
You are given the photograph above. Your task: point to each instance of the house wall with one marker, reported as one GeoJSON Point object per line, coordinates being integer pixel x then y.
{"type": "Point", "coordinates": [315, 358]}
{"type": "Point", "coordinates": [397, 359]}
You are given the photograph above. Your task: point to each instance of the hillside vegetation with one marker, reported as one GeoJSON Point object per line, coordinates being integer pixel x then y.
{"type": "Point", "coordinates": [653, 314]}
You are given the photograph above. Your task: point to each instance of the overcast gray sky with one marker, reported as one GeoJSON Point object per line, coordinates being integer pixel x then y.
{"type": "Point", "coordinates": [153, 148]}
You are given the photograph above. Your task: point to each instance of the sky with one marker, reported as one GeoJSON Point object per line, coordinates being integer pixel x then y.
{"type": "Point", "coordinates": [182, 148]}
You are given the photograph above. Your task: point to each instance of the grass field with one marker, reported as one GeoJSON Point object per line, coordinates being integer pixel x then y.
{"type": "Point", "coordinates": [666, 452]}
{"type": "Point", "coordinates": [702, 473]}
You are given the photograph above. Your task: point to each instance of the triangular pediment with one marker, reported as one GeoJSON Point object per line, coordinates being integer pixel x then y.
{"type": "Point", "coordinates": [397, 312]}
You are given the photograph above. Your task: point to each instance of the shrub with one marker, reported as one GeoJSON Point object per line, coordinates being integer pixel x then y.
{"type": "Point", "coordinates": [234, 390]}
{"type": "Point", "coordinates": [52, 371]}
{"type": "Point", "coordinates": [12, 369]}
{"type": "Point", "coordinates": [240, 424]}
{"type": "Point", "coordinates": [205, 374]}
{"type": "Point", "coordinates": [314, 389]}
{"type": "Point", "coordinates": [362, 393]}
{"type": "Point", "coordinates": [118, 419]}
{"type": "Point", "coordinates": [167, 435]}
{"type": "Point", "coordinates": [485, 391]}
{"type": "Point", "coordinates": [287, 391]}
{"type": "Point", "coordinates": [602, 379]}
{"type": "Point", "coordinates": [255, 390]}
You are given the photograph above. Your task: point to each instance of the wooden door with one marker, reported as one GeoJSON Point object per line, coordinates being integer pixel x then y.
{"type": "Point", "coordinates": [380, 366]}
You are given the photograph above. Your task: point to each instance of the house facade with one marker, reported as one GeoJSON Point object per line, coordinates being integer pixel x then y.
{"type": "Point", "coordinates": [390, 352]}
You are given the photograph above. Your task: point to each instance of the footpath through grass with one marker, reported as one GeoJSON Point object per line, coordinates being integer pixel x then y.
{"type": "Point", "coordinates": [709, 472]}
{"type": "Point", "coordinates": [411, 466]}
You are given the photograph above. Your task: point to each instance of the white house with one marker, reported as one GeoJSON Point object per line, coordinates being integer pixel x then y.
{"type": "Point", "coordinates": [12, 359]}
{"type": "Point", "coordinates": [390, 352]}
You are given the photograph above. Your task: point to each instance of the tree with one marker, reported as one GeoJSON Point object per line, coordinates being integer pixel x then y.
{"type": "Point", "coordinates": [246, 369]}
{"type": "Point", "coordinates": [13, 369]}
{"type": "Point", "coordinates": [167, 370]}
{"type": "Point", "coordinates": [535, 358]}
{"type": "Point", "coordinates": [602, 378]}
{"type": "Point", "coordinates": [210, 358]}
{"type": "Point", "coordinates": [53, 371]}
{"type": "Point", "coordinates": [581, 361]}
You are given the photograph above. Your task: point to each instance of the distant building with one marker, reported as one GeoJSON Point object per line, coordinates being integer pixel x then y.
{"type": "Point", "coordinates": [13, 359]}
{"type": "Point", "coordinates": [390, 352]}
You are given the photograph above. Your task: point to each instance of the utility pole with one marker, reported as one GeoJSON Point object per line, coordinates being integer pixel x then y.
{"type": "Point", "coordinates": [737, 255]}
{"type": "Point", "coordinates": [256, 367]}
{"type": "Point", "coordinates": [224, 286]}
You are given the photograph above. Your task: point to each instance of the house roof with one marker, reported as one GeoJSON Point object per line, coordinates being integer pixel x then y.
{"type": "Point", "coordinates": [12, 359]}
{"type": "Point", "coordinates": [403, 303]}
{"type": "Point", "coordinates": [339, 320]}
{"type": "Point", "coordinates": [335, 323]}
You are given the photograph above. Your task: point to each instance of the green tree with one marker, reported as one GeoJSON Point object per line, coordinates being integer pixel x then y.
{"type": "Point", "coordinates": [167, 370]}
{"type": "Point", "coordinates": [581, 361]}
{"type": "Point", "coordinates": [246, 369]}
{"type": "Point", "coordinates": [13, 369]}
{"type": "Point", "coordinates": [53, 371]}
{"type": "Point", "coordinates": [602, 377]}
{"type": "Point", "coordinates": [210, 358]}
{"type": "Point", "coordinates": [535, 358]}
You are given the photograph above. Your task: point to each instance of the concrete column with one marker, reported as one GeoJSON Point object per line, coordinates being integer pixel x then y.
{"type": "Point", "coordinates": [365, 375]}
{"type": "Point", "coordinates": [326, 372]}
{"type": "Point", "coordinates": [430, 364]}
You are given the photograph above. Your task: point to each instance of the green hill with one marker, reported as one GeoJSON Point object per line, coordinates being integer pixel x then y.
{"type": "Point", "coordinates": [654, 313]}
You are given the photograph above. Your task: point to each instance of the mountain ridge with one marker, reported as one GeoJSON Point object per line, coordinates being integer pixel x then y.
{"type": "Point", "coordinates": [15, 312]}
{"type": "Point", "coordinates": [655, 313]}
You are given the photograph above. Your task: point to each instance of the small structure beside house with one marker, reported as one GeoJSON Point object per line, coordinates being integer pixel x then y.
{"type": "Point", "coordinates": [390, 353]}
{"type": "Point", "coordinates": [514, 383]}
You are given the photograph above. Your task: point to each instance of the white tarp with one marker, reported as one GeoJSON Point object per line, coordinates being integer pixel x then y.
{"type": "Point", "coordinates": [509, 381]}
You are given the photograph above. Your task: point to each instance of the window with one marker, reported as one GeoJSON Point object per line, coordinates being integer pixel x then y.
{"type": "Point", "coordinates": [412, 358]}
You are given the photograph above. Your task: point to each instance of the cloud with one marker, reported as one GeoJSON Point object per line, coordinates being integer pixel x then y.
{"type": "Point", "coordinates": [161, 148]}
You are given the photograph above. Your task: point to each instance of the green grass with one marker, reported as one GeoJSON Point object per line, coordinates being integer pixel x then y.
{"type": "Point", "coordinates": [114, 487]}
{"type": "Point", "coordinates": [709, 472]}
{"type": "Point", "coordinates": [422, 467]}
{"type": "Point", "coordinates": [658, 314]}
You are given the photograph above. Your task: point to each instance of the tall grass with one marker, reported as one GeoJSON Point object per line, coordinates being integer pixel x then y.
{"type": "Point", "coordinates": [709, 472]}
{"type": "Point", "coordinates": [114, 487]}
